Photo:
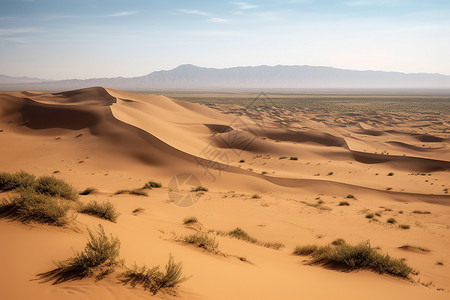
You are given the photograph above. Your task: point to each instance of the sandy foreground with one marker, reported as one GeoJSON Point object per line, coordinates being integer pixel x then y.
{"type": "Point", "coordinates": [114, 140]}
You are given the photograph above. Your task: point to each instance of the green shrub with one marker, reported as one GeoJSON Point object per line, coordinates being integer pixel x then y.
{"type": "Point", "coordinates": [152, 184]}
{"type": "Point", "coordinates": [361, 256]}
{"type": "Point", "coordinates": [29, 206]}
{"type": "Point", "coordinates": [87, 191]}
{"type": "Point", "coordinates": [52, 186]}
{"type": "Point", "coordinates": [202, 240]}
{"type": "Point", "coordinates": [305, 250]}
{"type": "Point", "coordinates": [101, 254]}
{"type": "Point", "coordinates": [105, 210]}
{"type": "Point", "coordinates": [12, 181]}
{"type": "Point", "coordinates": [199, 189]}
{"type": "Point", "coordinates": [153, 279]}
{"type": "Point", "coordinates": [190, 220]}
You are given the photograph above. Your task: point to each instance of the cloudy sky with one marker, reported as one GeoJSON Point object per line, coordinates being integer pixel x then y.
{"type": "Point", "coordinates": [59, 39]}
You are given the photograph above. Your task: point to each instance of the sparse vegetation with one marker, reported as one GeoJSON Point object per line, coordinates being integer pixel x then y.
{"type": "Point", "coordinates": [87, 191]}
{"type": "Point", "coordinates": [12, 181]}
{"type": "Point", "coordinates": [199, 189]}
{"type": "Point", "coordinates": [350, 196]}
{"type": "Point", "coordinates": [282, 157]}
{"type": "Point", "coordinates": [202, 240]}
{"type": "Point", "coordinates": [354, 257]}
{"type": "Point", "coordinates": [344, 203]}
{"type": "Point", "coordinates": [391, 221]}
{"type": "Point", "coordinates": [152, 184]}
{"type": "Point", "coordinates": [52, 186]}
{"type": "Point", "coordinates": [338, 242]}
{"type": "Point", "coordinates": [421, 212]}
{"type": "Point", "coordinates": [242, 161]}
{"type": "Point", "coordinates": [138, 210]}
{"type": "Point", "coordinates": [100, 255]}
{"type": "Point", "coordinates": [240, 234]}
{"type": "Point", "coordinates": [293, 158]}
{"type": "Point", "coordinates": [138, 192]}
{"type": "Point", "coordinates": [105, 210]}
{"type": "Point", "coordinates": [390, 174]}
{"type": "Point", "coordinates": [154, 279]}
{"type": "Point", "coordinates": [28, 206]}
{"type": "Point", "coordinates": [190, 220]}
{"type": "Point", "coordinates": [256, 196]}
{"type": "Point", "coordinates": [369, 216]}
{"type": "Point", "coordinates": [264, 172]}
{"type": "Point", "coordinates": [404, 226]}
{"type": "Point", "coordinates": [330, 173]}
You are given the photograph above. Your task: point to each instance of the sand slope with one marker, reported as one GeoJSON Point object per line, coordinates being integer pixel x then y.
{"type": "Point", "coordinates": [113, 140]}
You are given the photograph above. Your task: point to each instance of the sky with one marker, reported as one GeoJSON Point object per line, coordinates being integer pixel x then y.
{"type": "Point", "coordinates": [63, 39]}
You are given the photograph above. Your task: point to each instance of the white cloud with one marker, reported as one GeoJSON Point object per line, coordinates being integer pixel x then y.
{"type": "Point", "coordinates": [14, 31]}
{"type": "Point", "coordinates": [217, 33]}
{"type": "Point", "coordinates": [245, 5]}
{"type": "Point", "coordinates": [122, 14]}
{"type": "Point", "coordinates": [373, 3]}
{"type": "Point", "coordinates": [193, 12]}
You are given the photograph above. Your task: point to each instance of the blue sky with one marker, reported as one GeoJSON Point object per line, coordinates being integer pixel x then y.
{"type": "Point", "coordinates": [59, 39]}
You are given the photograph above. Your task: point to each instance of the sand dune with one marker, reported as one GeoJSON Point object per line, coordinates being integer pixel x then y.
{"type": "Point", "coordinates": [289, 159]}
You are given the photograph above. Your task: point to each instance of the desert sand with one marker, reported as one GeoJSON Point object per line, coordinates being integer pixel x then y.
{"type": "Point", "coordinates": [265, 170]}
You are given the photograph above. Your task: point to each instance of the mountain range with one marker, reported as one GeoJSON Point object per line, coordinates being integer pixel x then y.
{"type": "Point", "coordinates": [190, 77]}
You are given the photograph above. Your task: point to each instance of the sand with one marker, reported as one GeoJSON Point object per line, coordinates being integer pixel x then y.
{"type": "Point", "coordinates": [113, 140]}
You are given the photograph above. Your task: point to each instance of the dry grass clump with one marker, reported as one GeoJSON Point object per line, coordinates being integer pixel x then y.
{"type": "Point", "coordinates": [240, 234]}
{"type": "Point", "coordinates": [202, 240]}
{"type": "Point", "coordinates": [100, 255]}
{"type": "Point", "coordinates": [190, 220]}
{"type": "Point", "coordinates": [12, 181]}
{"type": "Point", "coordinates": [88, 191]}
{"type": "Point", "coordinates": [28, 206]}
{"type": "Point", "coordinates": [391, 221]}
{"type": "Point", "coordinates": [344, 203]}
{"type": "Point", "coordinates": [199, 189]}
{"type": "Point", "coordinates": [152, 184]}
{"type": "Point", "coordinates": [421, 212]}
{"type": "Point", "coordinates": [350, 196]}
{"type": "Point", "coordinates": [338, 242]}
{"type": "Point", "coordinates": [138, 192]}
{"type": "Point", "coordinates": [105, 210]}
{"type": "Point", "coordinates": [404, 226]}
{"type": "Point", "coordinates": [355, 257]}
{"type": "Point", "coordinates": [153, 279]}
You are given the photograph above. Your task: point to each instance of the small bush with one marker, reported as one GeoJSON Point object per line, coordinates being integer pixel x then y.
{"type": "Point", "coordinates": [350, 196]}
{"type": "Point", "coordinates": [305, 250]}
{"type": "Point", "coordinates": [330, 173]}
{"type": "Point", "coordinates": [12, 181]}
{"type": "Point", "coordinates": [153, 279]}
{"type": "Point", "coordinates": [272, 245]}
{"type": "Point", "coordinates": [293, 158]}
{"type": "Point", "coordinates": [190, 220]}
{"type": "Point", "coordinates": [282, 157]}
{"type": "Point", "coordinates": [52, 186]}
{"type": "Point", "coordinates": [256, 196]}
{"type": "Point", "coordinates": [264, 172]}
{"type": "Point", "coordinates": [87, 191]}
{"type": "Point", "coordinates": [242, 235]}
{"type": "Point", "coordinates": [101, 254]}
{"type": "Point", "coordinates": [391, 221]}
{"type": "Point", "coordinates": [404, 226]}
{"type": "Point", "coordinates": [361, 256]}
{"type": "Point", "coordinates": [138, 192]}
{"type": "Point", "coordinates": [370, 216]}
{"type": "Point", "coordinates": [202, 240]}
{"type": "Point", "coordinates": [344, 203]}
{"type": "Point", "coordinates": [152, 184]}
{"type": "Point", "coordinates": [421, 212]}
{"type": "Point", "coordinates": [105, 210]}
{"type": "Point", "coordinates": [390, 174]}
{"type": "Point", "coordinates": [29, 206]}
{"type": "Point", "coordinates": [242, 161]}
{"type": "Point", "coordinates": [199, 189]}
{"type": "Point", "coordinates": [338, 242]}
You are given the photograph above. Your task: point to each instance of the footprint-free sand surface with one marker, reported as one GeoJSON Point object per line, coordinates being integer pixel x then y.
{"type": "Point", "coordinates": [277, 173]}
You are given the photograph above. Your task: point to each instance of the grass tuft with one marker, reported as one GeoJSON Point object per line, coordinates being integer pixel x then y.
{"type": "Point", "coordinates": [101, 255]}
{"type": "Point", "coordinates": [199, 189]}
{"type": "Point", "coordinates": [105, 210]}
{"type": "Point", "coordinates": [344, 203]}
{"type": "Point", "coordinates": [240, 234]}
{"type": "Point", "coordinates": [190, 220]}
{"type": "Point", "coordinates": [421, 212]}
{"type": "Point", "coordinates": [152, 184]}
{"type": "Point", "coordinates": [202, 240]}
{"type": "Point", "coordinates": [138, 192]}
{"type": "Point", "coordinates": [391, 221]}
{"type": "Point", "coordinates": [88, 191]}
{"type": "Point", "coordinates": [350, 196]}
{"type": "Point", "coordinates": [305, 250]}
{"type": "Point", "coordinates": [52, 186]}
{"type": "Point", "coordinates": [338, 242]}
{"type": "Point", "coordinates": [12, 181]}
{"type": "Point", "coordinates": [404, 226]}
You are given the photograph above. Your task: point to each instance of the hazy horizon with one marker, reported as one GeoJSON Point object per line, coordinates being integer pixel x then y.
{"type": "Point", "coordinates": [94, 39]}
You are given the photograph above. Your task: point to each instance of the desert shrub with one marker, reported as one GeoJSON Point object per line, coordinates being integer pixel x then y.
{"type": "Point", "coordinates": [152, 184]}
{"type": "Point", "coordinates": [344, 203]}
{"type": "Point", "coordinates": [404, 226]}
{"type": "Point", "coordinates": [361, 256]}
{"type": "Point", "coordinates": [202, 240]}
{"type": "Point", "coordinates": [282, 157]}
{"type": "Point", "coordinates": [52, 186]}
{"type": "Point", "coordinates": [199, 189]}
{"type": "Point", "coordinates": [242, 161]}
{"type": "Point", "coordinates": [105, 210]}
{"type": "Point", "coordinates": [390, 174]}
{"type": "Point", "coordinates": [256, 196]}
{"type": "Point", "coordinates": [87, 191]}
{"type": "Point", "coordinates": [242, 235]}
{"type": "Point", "coordinates": [391, 221]}
{"type": "Point", "coordinates": [138, 192]}
{"type": "Point", "coordinates": [154, 279]}
{"type": "Point", "coordinates": [190, 220]}
{"type": "Point", "coordinates": [138, 210]}
{"type": "Point", "coordinates": [350, 196]}
{"type": "Point", "coordinates": [273, 245]}
{"type": "Point", "coordinates": [305, 250]}
{"type": "Point", "coordinates": [338, 242]}
{"type": "Point", "coordinates": [330, 173]}
{"type": "Point", "coordinates": [12, 181]}
{"type": "Point", "coordinates": [28, 206]}
{"type": "Point", "coordinates": [421, 212]}
{"type": "Point", "coordinates": [293, 158]}
{"type": "Point", "coordinates": [101, 254]}
{"type": "Point", "coordinates": [369, 216]}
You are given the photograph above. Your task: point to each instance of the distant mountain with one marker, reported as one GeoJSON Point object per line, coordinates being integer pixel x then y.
{"type": "Point", "coordinates": [190, 77]}
{"type": "Point", "coordinates": [19, 80]}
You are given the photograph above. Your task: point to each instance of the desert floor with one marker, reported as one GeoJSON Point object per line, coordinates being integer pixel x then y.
{"type": "Point", "coordinates": [278, 172]}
